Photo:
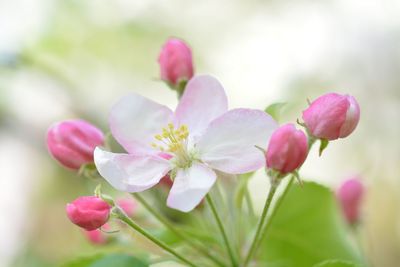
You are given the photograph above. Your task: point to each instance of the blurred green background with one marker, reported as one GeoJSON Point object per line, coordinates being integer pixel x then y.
{"type": "Point", "coordinates": [74, 58]}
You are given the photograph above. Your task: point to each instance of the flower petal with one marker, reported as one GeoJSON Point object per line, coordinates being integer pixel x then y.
{"type": "Point", "coordinates": [130, 173]}
{"type": "Point", "coordinates": [204, 99]}
{"type": "Point", "coordinates": [229, 142]}
{"type": "Point", "coordinates": [190, 187]}
{"type": "Point", "coordinates": [134, 120]}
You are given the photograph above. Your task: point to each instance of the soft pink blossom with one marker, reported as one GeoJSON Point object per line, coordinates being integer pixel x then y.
{"type": "Point", "coordinates": [72, 142]}
{"type": "Point", "coordinates": [175, 61]}
{"type": "Point", "coordinates": [128, 205]}
{"type": "Point", "coordinates": [332, 116]}
{"type": "Point", "coordinates": [96, 236]}
{"type": "Point", "coordinates": [200, 136]}
{"type": "Point", "coordinates": [350, 195]}
{"type": "Point", "coordinates": [88, 212]}
{"type": "Point", "coordinates": [287, 149]}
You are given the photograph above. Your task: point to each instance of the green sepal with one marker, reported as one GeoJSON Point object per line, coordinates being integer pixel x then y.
{"type": "Point", "coordinates": [275, 110]}
{"type": "Point", "coordinates": [89, 170]}
{"type": "Point", "coordinates": [106, 198]}
{"type": "Point", "coordinates": [323, 144]}
{"type": "Point", "coordinates": [179, 87]}
{"type": "Point", "coordinates": [297, 176]}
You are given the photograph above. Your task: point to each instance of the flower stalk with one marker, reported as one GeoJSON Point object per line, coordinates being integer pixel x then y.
{"type": "Point", "coordinates": [260, 234]}
{"type": "Point", "coordinates": [273, 213]}
{"type": "Point", "coordinates": [178, 233]}
{"type": "Point", "coordinates": [254, 244]}
{"type": "Point", "coordinates": [123, 217]}
{"type": "Point", "coordinates": [222, 230]}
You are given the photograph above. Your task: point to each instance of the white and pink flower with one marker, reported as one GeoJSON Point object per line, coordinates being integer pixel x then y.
{"type": "Point", "coordinates": [200, 137]}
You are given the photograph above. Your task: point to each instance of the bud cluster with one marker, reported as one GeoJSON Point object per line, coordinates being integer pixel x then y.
{"type": "Point", "coordinates": [329, 117]}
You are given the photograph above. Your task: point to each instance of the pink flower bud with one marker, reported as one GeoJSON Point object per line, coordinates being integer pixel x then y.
{"type": "Point", "coordinates": [287, 149]}
{"type": "Point", "coordinates": [96, 236]}
{"type": "Point", "coordinates": [128, 205]}
{"type": "Point", "coordinates": [350, 195]}
{"type": "Point", "coordinates": [332, 116]}
{"type": "Point", "coordinates": [88, 212]}
{"type": "Point", "coordinates": [175, 61]}
{"type": "Point", "coordinates": [72, 142]}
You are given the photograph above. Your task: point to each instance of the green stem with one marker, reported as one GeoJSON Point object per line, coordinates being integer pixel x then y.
{"type": "Point", "coordinates": [254, 244]}
{"type": "Point", "coordinates": [262, 233]}
{"type": "Point", "coordinates": [222, 229]}
{"type": "Point", "coordinates": [249, 203]}
{"type": "Point", "coordinates": [273, 213]}
{"type": "Point", "coordinates": [123, 217]}
{"type": "Point", "coordinates": [178, 233]}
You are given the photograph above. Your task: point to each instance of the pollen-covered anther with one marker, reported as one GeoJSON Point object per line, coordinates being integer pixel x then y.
{"type": "Point", "coordinates": [173, 138]}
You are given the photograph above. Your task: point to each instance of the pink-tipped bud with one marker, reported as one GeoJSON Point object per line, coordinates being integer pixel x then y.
{"type": "Point", "coordinates": [72, 142]}
{"type": "Point", "coordinates": [96, 236]}
{"type": "Point", "coordinates": [88, 212]}
{"type": "Point", "coordinates": [287, 149]}
{"type": "Point", "coordinates": [175, 61]}
{"type": "Point", "coordinates": [332, 116]}
{"type": "Point", "coordinates": [128, 205]}
{"type": "Point", "coordinates": [350, 194]}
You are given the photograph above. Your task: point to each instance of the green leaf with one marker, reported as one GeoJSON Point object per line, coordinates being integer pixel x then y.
{"type": "Point", "coordinates": [336, 263]}
{"type": "Point", "coordinates": [115, 260]}
{"type": "Point", "coordinates": [83, 262]}
{"type": "Point", "coordinates": [275, 110]}
{"type": "Point", "coordinates": [118, 260]}
{"type": "Point", "coordinates": [308, 229]}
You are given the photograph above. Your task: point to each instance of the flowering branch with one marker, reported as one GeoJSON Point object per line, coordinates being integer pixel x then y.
{"type": "Point", "coordinates": [192, 144]}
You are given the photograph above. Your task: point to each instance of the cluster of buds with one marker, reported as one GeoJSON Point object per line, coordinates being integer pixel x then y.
{"type": "Point", "coordinates": [329, 117]}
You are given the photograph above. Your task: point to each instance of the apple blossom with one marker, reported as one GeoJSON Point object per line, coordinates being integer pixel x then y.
{"type": "Point", "coordinates": [175, 61]}
{"type": "Point", "coordinates": [287, 149]}
{"type": "Point", "coordinates": [200, 137]}
{"type": "Point", "coordinates": [88, 212]}
{"type": "Point", "coordinates": [332, 116]}
{"type": "Point", "coordinates": [350, 194]}
{"type": "Point", "coordinates": [72, 142]}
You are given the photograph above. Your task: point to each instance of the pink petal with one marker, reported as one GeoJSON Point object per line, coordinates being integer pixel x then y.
{"type": "Point", "coordinates": [190, 187]}
{"type": "Point", "coordinates": [130, 173]}
{"type": "Point", "coordinates": [134, 120]}
{"type": "Point", "coordinates": [204, 100]}
{"type": "Point", "coordinates": [229, 142]}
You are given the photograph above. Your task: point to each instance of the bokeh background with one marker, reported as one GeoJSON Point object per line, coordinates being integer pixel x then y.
{"type": "Point", "coordinates": [73, 58]}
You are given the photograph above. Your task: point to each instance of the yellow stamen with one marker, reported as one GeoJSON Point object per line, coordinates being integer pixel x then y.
{"type": "Point", "coordinates": [173, 138]}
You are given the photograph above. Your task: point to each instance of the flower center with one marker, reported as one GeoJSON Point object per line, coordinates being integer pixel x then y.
{"type": "Point", "coordinates": [174, 140]}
